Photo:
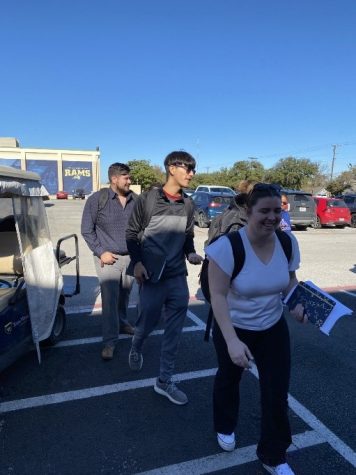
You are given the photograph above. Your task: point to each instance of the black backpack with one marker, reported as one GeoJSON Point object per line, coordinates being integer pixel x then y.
{"type": "Point", "coordinates": [232, 219]}
{"type": "Point", "coordinates": [239, 260]}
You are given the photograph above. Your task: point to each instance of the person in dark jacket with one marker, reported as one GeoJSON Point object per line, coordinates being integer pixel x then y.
{"type": "Point", "coordinates": [103, 228]}
{"type": "Point", "coordinates": [167, 241]}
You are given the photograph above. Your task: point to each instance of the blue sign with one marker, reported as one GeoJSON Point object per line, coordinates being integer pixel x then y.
{"type": "Point", "coordinates": [11, 162]}
{"type": "Point", "coordinates": [48, 171]}
{"type": "Point", "coordinates": [77, 175]}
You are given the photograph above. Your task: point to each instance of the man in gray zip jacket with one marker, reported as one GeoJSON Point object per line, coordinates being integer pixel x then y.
{"type": "Point", "coordinates": [167, 239]}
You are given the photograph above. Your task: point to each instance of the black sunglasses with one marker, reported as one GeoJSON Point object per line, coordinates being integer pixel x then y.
{"type": "Point", "coordinates": [187, 168]}
{"type": "Point", "coordinates": [266, 187]}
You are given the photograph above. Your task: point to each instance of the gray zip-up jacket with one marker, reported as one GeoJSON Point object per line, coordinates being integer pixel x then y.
{"type": "Point", "coordinates": [169, 232]}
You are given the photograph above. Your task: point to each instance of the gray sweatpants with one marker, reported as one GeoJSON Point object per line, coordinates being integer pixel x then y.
{"type": "Point", "coordinates": [173, 294]}
{"type": "Point", "coordinates": [115, 287]}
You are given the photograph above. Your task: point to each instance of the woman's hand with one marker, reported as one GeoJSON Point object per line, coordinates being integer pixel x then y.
{"type": "Point", "coordinates": [299, 314]}
{"type": "Point", "coordinates": [239, 353]}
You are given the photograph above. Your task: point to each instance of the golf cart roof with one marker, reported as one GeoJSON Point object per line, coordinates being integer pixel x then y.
{"type": "Point", "coordinates": [18, 174]}
{"type": "Point", "coordinates": [14, 182]}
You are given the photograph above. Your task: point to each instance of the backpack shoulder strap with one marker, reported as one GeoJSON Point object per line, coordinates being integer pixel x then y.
{"type": "Point", "coordinates": [150, 203]}
{"type": "Point", "coordinates": [188, 206]}
{"type": "Point", "coordinates": [238, 252]}
{"type": "Point", "coordinates": [286, 243]}
{"type": "Point", "coordinates": [103, 198]}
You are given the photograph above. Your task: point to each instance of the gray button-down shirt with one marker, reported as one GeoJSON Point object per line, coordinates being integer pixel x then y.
{"type": "Point", "coordinates": [104, 230]}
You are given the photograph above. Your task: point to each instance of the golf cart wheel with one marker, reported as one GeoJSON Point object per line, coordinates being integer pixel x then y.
{"type": "Point", "coordinates": [317, 223]}
{"type": "Point", "coordinates": [202, 221]}
{"type": "Point", "coordinates": [58, 327]}
{"type": "Point", "coordinates": [5, 283]}
{"type": "Point", "coordinates": [353, 221]}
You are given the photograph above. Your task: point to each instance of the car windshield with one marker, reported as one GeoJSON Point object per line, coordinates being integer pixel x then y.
{"type": "Point", "coordinates": [217, 189]}
{"type": "Point", "coordinates": [301, 197]}
{"type": "Point", "coordinates": [221, 200]}
{"type": "Point", "coordinates": [337, 204]}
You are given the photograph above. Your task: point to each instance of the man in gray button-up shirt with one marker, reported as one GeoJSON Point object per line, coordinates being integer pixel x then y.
{"type": "Point", "coordinates": [104, 223]}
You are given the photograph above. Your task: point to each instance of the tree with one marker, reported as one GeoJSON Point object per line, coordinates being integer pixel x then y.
{"type": "Point", "coordinates": [292, 172]}
{"type": "Point", "coordinates": [144, 174]}
{"type": "Point", "coordinates": [344, 181]}
{"type": "Point", "coordinates": [247, 170]}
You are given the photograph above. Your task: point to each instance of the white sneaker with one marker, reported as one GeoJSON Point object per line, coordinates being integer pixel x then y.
{"type": "Point", "coordinates": [282, 469]}
{"type": "Point", "coordinates": [226, 441]}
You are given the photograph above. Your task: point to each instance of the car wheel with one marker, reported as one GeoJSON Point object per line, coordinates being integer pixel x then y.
{"type": "Point", "coordinates": [353, 221]}
{"type": "Point", "coordinates": [58, 327]}
{"type": "Point", "coordinates": [317, 223]}
{"type": "Point", "coordinates": [202, 221]}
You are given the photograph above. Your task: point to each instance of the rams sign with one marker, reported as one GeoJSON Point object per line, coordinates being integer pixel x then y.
{"type": "Point", "coordinates": [77, 175]}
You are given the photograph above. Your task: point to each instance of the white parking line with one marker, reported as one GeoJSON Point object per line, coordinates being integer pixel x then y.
{"type": "Point", "coordinates": [223, 460]}
{"type": "Point", "coordinates": [199, 325]}
{"type": "Point", "coordinates": [344, 450]}
{"type": "Point", "coordinates": [98, 339]}
{"type": "Point", "coordinates": [319, 435]}
{"type": "Point", "coordinates": [97, 391]}
{"type": "Point", "coordinates": [353, 294]}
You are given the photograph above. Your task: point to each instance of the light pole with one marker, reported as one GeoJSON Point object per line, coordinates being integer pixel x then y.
{"type": "Point", "coordinates": [333, 161]}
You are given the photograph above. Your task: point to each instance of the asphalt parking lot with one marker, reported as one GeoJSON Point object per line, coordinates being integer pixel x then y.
{"type": "Point", "coordinates": [78, 414]}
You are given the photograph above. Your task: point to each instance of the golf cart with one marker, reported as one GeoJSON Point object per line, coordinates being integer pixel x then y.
{"type": "Point", "coordinates": [32, 295]}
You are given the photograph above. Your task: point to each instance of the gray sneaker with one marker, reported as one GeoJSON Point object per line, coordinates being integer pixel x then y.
{"type": "Point", "coordinates": [170, 390]}
{"type": "Point", "coordinates": [135, 359]}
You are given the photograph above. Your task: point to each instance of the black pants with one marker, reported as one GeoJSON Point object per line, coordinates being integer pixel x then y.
{"type": "Point", "coordinates": [271, 351]}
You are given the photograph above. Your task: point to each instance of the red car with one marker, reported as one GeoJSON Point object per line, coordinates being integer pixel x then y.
{"type": "Point", "coordinates": [331, 212]}
{"type": "Point", "coordinates": [62, 195]}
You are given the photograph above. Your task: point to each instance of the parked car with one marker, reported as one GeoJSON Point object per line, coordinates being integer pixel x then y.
{"type": "Point", "coordinates": [79, 194]}
{"type": "Point", "coordinates": [188, 191]}
{"type": "Point", "coordinates": [302, 208]}
{"type": "Point", "coordinates": [350, 201]}
{"type": "Point", "coordinates": [62, 195]}
{"type": "Point", "coordinates": [216, 189]}
{"type": "Point", "coordinates": [208, 205]}
{"type": "Point", "coordinates": [331, 212]}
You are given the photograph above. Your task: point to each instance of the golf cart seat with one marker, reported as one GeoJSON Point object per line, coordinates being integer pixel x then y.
{"type": "Point", "coordinates": [10, 257]}
{"type": "Point", "coordinates": [5, 296]}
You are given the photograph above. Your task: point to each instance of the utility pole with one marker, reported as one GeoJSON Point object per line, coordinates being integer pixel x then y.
{"type": "Point", "coordinates": [207, 169]}
{"type": "Point", "coordinates": [333, 161]}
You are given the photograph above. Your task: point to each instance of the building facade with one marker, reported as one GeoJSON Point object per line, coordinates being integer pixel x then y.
{"type": "Point", "coordinates": [59, 169]}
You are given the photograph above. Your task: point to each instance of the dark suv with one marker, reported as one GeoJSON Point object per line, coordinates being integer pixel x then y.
{"type": "Point", "coordinates": [79, 194]}
{"type": "Point", "coordinates": [302, 209]}
{"type": "Point", "coordinates": [350, 201]}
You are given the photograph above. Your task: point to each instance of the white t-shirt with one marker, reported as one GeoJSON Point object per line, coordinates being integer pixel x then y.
{"type": "Point", "coordinates": [254, 298]}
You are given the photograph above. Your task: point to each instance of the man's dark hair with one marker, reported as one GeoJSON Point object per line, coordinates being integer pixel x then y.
{"type": "Point", "coordinates": [118, 169]}
{"type": "Point", "coordinates": [179, 157]}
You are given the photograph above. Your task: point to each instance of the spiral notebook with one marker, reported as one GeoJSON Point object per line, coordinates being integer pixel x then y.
{"type": "Point", "coordinates": [322, 309]}
{"type": "Point", "coordinates": [154, 264]}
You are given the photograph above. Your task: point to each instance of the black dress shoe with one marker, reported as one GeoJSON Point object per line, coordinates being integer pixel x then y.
{"type": "Point", "coordinates": [127, 329]}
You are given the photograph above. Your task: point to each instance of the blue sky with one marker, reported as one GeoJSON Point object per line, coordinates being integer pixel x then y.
{"type": "Point", "coordinates": [223, 79]}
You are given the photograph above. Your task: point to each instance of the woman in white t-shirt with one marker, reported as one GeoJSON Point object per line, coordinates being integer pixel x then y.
{"type": "Point", "coordinates": [250, 325]}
